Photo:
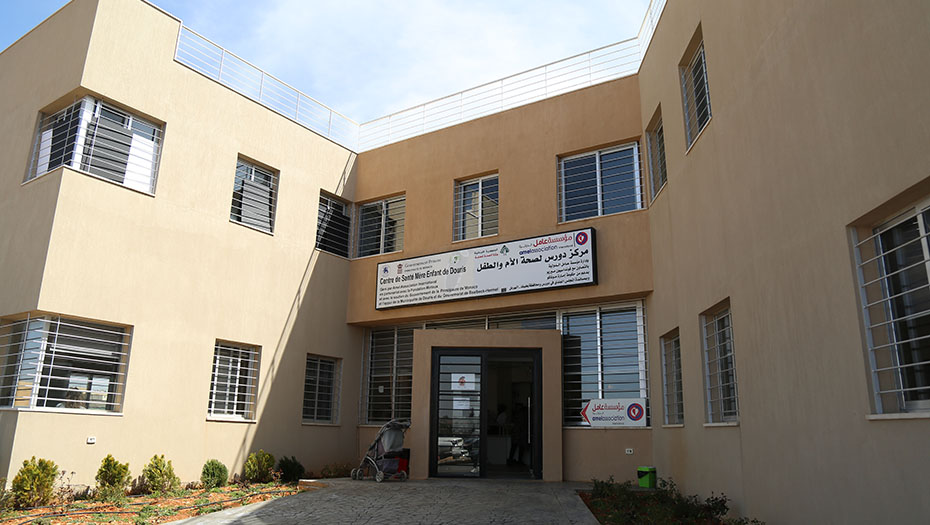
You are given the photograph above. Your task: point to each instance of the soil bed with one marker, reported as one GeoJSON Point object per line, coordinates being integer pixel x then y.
{"type": "Point", "coordinates": [151, 509]}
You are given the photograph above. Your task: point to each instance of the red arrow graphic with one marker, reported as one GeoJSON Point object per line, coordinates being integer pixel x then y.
{"type": "Point", "coordinates": [584, 412]}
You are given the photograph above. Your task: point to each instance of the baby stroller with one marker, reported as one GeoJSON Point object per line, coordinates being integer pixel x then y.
{"type": "Point", "coordinates": [386, 455]}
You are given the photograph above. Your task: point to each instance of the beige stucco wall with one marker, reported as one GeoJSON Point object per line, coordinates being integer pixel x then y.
{"type": "Point", "coordinates": [179, 272]}
{"type": "Point", "coordinates": [523, 146]}
{"type": "Point", "coordinates": [819, 116]}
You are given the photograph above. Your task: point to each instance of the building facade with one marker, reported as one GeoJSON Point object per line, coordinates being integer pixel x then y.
{"type": "Point", "coordinates": [199, 261]}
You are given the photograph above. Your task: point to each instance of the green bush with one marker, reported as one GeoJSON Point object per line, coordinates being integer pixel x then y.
{"type": "Point", "coordinates": [6, 497]}
{"type": "Point", "coordinates": [112, 479]}
{"type": "Point", "coordinates": [291, 469]}
{"type": "Point", "coordinates": [214, 474]}
{"type": "Point", "coordinates": [159, 476]}
{"type": "Point", "coordinates": [336, 470]}
{"type": "Point", "coordinates": [34, 484]}
{"type": "Point", "coordinates": [259, 467]}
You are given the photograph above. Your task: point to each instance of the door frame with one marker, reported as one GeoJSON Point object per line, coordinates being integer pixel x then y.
{"type": "Point", "coordinates": [536, 445]}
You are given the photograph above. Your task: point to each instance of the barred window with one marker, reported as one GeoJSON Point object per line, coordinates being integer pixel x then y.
{"type": "Point", "coordinates": [603, 357]}
{"type": "Point", "coordinates": [234, 383]}
{"type": "Point", "coordinates": [655, 138]}
{"type": "Point", "coordinates": [320, 390]}
{"type": "Point", "coordinates": [719, 367]}
{"type": "Point", "coordinates": [600, 183]}
{"type": "Point", "coordinates": [381, 227]}
{"type": "Point", "coordinates": [390, 374]}
{"type": "Point", "coordinates": [671, 379]}
{"type": "Point", "coordinates": [894, 262]}
{"type": "Point", "coordinates": [51, 361]}
{"type": "Point", "coordinates": [476, 207]}
{"type": "Point", "coordinates": [695, 94]}
{"type": "Point", "coordinates": [333, 226]}
{"type": "Point", "coordinates": [99, 139]}
{"type": "Point", "coordinates": [255, 194]}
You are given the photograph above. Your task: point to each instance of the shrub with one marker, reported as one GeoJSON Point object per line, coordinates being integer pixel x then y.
{"type": "Point", "coordinates": [258, 467]}
{"type": "Point", "coordinates": [291, 469]}
{"type": "Point", "coordinates": [159, 476]}
{"type": "Point", "coordinates": [34, 484]}
{"type": "Point", "coordinates": [112, 479]}
{"type": "Point", "coordinates": [336, 470]}
{"type": "Point", "coordinates": [214, 474]}
{"type": "Point", "coordinates": [6, 497]}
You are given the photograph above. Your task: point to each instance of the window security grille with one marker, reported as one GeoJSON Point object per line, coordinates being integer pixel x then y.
{"type": "Point", "coordinates": [390, 374]}
{"type": "Point", "coordinates": [99, 139]}
{"type": "Point", "coordinates": [320, 403]}
{"type": "Point", "coordinates": [695, 95]}
{"type": "Point", "coordinates": [476, 207]}
{"type": "Point", "coordinates": [603, 356]}
{"type": "Point", "coordinates": [600, 183]}
{"type": "Point", "coordinates": [657, 172]}
{"type": "Point", "coordinates": [333, 227]}
{"type": "Point", "coordinates": [381, 227]}
{"type": "Point", "coordinates": [671, 380]}
{"type": "Point", "coordinates": [894, 264]}
{"type": "Point", "coordinates": [255, 194]}
{"type": "Point", "coordinates": [234, 383]}
{"type": "Point", "coordinates": [55, 362]}
{"type": "Point", "coordinates": [719, 368]}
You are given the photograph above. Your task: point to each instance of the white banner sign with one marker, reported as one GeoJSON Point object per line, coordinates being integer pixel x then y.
{"type": "Point", "coordinates": [615, 412]}
{"type": "Point", "coordinates": [539, 263]}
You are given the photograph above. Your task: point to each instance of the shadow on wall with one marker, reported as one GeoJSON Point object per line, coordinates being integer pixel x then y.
{"type": "Point", "coordinates": [8, 422]}
{"type": "Point", "coordinates": [315, 325]}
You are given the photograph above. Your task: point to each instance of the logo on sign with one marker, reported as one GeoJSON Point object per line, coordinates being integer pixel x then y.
{"type": "Point", "coordinates": [505, 250]}
{"type": "Point", "coordinates": [635, 411]}
{"type": "Point", "coordinates": [581, 238]}
{"type": "Point", "coordinates": [385, 272]}
{"type": "Point", "coordinates": [400, 269]}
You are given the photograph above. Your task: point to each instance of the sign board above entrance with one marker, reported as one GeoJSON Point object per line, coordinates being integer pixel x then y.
{"type": "Point", "coordinates": [615, 412]}
{"type": "Point", "coordinates": [539, 263]}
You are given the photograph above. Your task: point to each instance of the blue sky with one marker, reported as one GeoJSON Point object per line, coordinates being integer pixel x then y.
{"type": "Point", "coordinates": [368, 58]}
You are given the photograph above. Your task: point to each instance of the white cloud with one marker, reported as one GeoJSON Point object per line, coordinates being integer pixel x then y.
{"type": "Point", "coordinates": [367, 58]}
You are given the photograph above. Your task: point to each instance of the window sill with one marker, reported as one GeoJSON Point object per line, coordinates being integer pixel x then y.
{"type": "Point", "coordinates": [656, 196]}
{"type": "Point", "coordinates": [567, 427]}
{"type": "Point", "coordinates": [376, 255]}
{"type": "Point", "coordinates": [698, 136]}
{"type": "Point", "coordinates": [318, 424]}
{"type": "Point", "coordinates": [333, 254]}
{"type": "Point", "coordinates": [266, 232]}
{"type": "Point", "coordinates": [456, 241]}
{"type": "Point", "coordinates": [62, 411]}
{"type": "Point", "coordinates": [217, 419]}
{"type": "Point", "coordinates": [898, 416]}
{"type": "Point", "coordinates": [91, 175]}
{"type": "Point", "coordinates": [593, 217]}
{"type": "Point", "coordinates": [679, 425]}
{"type": "Point", "coordinates": [724, 424]}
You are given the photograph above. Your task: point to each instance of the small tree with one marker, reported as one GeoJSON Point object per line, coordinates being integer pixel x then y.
{"type": "Point", "coordinates": [214, 474]}
{"type": "Point", "coordinates": [258, 467]}
{"type": "Point", "coordinates": [34, 484]}
{"type": "Point", "coordinates": [159, 476]}
{"type": "Point", "coordinates": [113, 479]}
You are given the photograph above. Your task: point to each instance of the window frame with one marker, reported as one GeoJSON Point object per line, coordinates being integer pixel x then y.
{"type": "Point", "coordinates": [671, 343]}
{"type": "Point", "coordinates": [655, 145]}
{"type": "Point", "coordinates": [881, 330]}
{"type": "Point", "coordinates": [689, 93]}
{"type": "Point", "coordinates": [724, 415]}
{"type": "Point", "coordinates": [334, 390]}
{"type": "Point", "coordinates": [322, 228]}
{"type": "Point", "coordinates": [397, 406]}
{"type": "Point", "coordinates": [255, 357]}
{"type": "Point", "coordinates": [382, 231]}
{"type": "Point", "coordinates": [82, 119]}
{"type": "Point", "coordinates": [43, 333]}
{"type": "Point", "coordinates": [459, 232]}
{"type": "Point", "coordinates": [598, 180]}
{"type": "Point", "coordinates": [251, 169]}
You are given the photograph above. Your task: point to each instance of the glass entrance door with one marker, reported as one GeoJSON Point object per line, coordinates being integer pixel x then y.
{"type": "Point", "coordinates": [485, 414]}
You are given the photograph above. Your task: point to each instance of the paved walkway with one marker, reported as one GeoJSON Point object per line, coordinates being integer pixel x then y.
{"type": "Point", "coordinates": [431, 501]}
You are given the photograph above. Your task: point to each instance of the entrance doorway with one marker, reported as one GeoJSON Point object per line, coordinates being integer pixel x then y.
{"type": "Point", "coordinates": [486, 418]}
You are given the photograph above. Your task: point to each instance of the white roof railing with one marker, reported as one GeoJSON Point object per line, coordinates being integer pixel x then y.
{"type": "Point", "coordinates": [586, 69]}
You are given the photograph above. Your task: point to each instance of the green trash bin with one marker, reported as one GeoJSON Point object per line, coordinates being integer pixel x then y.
{"type": "Point", "coordinates": [647, 477]}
